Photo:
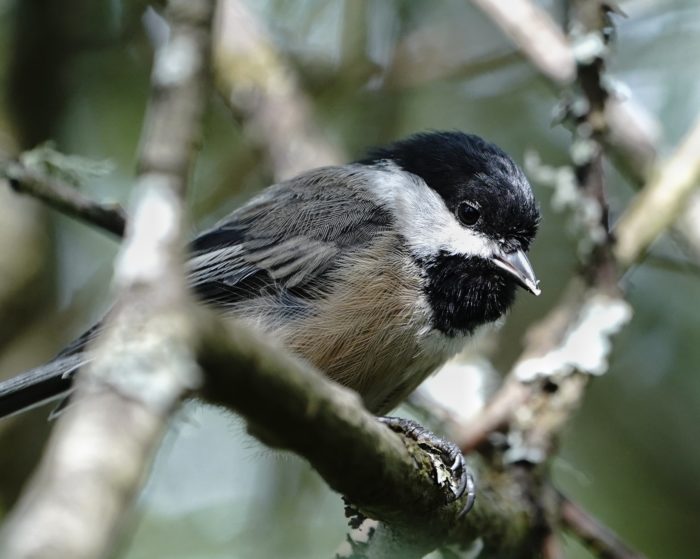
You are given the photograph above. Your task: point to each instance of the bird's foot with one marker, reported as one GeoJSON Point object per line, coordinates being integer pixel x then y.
{"type": "Point", "coordinates": [448, 462]}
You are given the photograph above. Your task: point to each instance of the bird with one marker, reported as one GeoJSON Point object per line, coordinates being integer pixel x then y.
{"type": "Point", "coordinates": [375, 272]}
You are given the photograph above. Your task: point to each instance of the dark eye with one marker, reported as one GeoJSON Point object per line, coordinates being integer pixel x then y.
{"type": "Point", "coordinates": [468, 213]}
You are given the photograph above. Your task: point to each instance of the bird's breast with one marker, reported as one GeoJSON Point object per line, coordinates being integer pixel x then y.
{"type": "Point", "coordinates": [372, 332]}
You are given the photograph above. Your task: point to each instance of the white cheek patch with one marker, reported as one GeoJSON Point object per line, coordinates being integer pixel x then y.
{"type": "Point", "coordinates": [424, 220]}
{"type": "Point", "coordinates": [449, 235]}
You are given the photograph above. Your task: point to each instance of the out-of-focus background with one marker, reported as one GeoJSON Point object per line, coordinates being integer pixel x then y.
{"type": "Point", "coordinates": [76, 72]}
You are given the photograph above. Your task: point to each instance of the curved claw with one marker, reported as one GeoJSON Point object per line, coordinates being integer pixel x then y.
{"type": "Point", "coordinates": [471, 496]}
{"type": "Point", "coordinates": [449, 453]}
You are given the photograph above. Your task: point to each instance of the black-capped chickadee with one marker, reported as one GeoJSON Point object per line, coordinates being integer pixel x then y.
{"type": "Point", "coordinates": [375, 272]}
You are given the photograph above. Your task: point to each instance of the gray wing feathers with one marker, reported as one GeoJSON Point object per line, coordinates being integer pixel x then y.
{"type": "Point", "coordinates": [295, 260]}
{"type": "Point", "coordinates": [330, 204]}
{"type": "Point", "coordinates": [295, 230]}
{"type": "Point", "coordinates": [45, 383]}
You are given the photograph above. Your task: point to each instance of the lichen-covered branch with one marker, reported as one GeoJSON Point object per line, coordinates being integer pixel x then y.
{"type": "Point", "coordinates": [552, 348]}
{"type": "Point", "coordinates": [533, 30]}
{"type": "Point", "coordinates": [575, 335]}
{"type": "Point", "coordinates": [573, 341]}
{"type": "Point", "coordinates": [96, 461]}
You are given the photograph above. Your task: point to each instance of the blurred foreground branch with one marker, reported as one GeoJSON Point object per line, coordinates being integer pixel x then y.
{"type": "Point", "coordinates": [76, 504]}
{"type": "Point", "coordinates": [547, 48]}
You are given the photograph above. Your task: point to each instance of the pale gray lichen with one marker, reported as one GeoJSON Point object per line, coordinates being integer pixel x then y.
{"type": "Point", "coordinates": [584, 149]}
{"type": "Point", "coordinates": [462, 386]}
{"type": "Point", "coordinates": [154, 369]}
{"type": "Point", "coordinates": [73, 169]}
{"type": "Point", "coordinates": [617, 89]}
{"type": "Point", "coordinates": [585, 223]}
{"type": "Point", "coordinates": [176, 62]}
{"type": "Point", "coordinates": [586, 344]}
{"type": "Point", "coordinates": [519, 451]}
{"type": "Point", "coordinates": [589, 47]}
{"type": "Point", "coordinates": [155, 221]}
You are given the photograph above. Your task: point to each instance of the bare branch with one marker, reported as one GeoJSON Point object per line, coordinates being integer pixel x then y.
{"type": "Point", "coordinates": [552, 547]}
{"type": "Point", "coordinates": [258, 85]}
{"type": "Point", "coordinates": [661, 202]}
{"type": "Point", "coordinates": [142, 365]}
{"type": "Point", "coordinates": [547, 48]}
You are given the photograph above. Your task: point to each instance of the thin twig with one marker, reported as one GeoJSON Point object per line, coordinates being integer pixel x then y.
{"type": "Point", "coordinates": [545, 406]}
{"type": "Point", "coordinates": [689, 227]}
{"type": "Point", "coordinates": [493, 417]}
{"type": "Point", "coordinates": [63, 197]}
{"type": "Point", "coordinates": [496, 413]}
{"type": "Point", "coordinates": [671, 264]}
{"type": "Point", "coordinates": [550, 354]}
{"type": "Point", "coordinates": [602, 541]}
{"type": "Point", "coordinates": [552, 547]}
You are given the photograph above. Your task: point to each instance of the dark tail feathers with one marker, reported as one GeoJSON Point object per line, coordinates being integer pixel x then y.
{"type": "Point", "coordinates": [37, 386]}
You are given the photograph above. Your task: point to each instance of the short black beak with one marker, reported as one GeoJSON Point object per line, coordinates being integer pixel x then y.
{"type": "Point", "coordinates": [518, 266]}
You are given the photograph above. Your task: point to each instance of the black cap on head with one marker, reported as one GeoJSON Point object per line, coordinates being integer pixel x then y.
{"type": "Point", "coordinates": [463, 167]}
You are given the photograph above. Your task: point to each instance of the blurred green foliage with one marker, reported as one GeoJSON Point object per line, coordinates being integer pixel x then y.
{"type": "Point", "coordinates": [77, 72]}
